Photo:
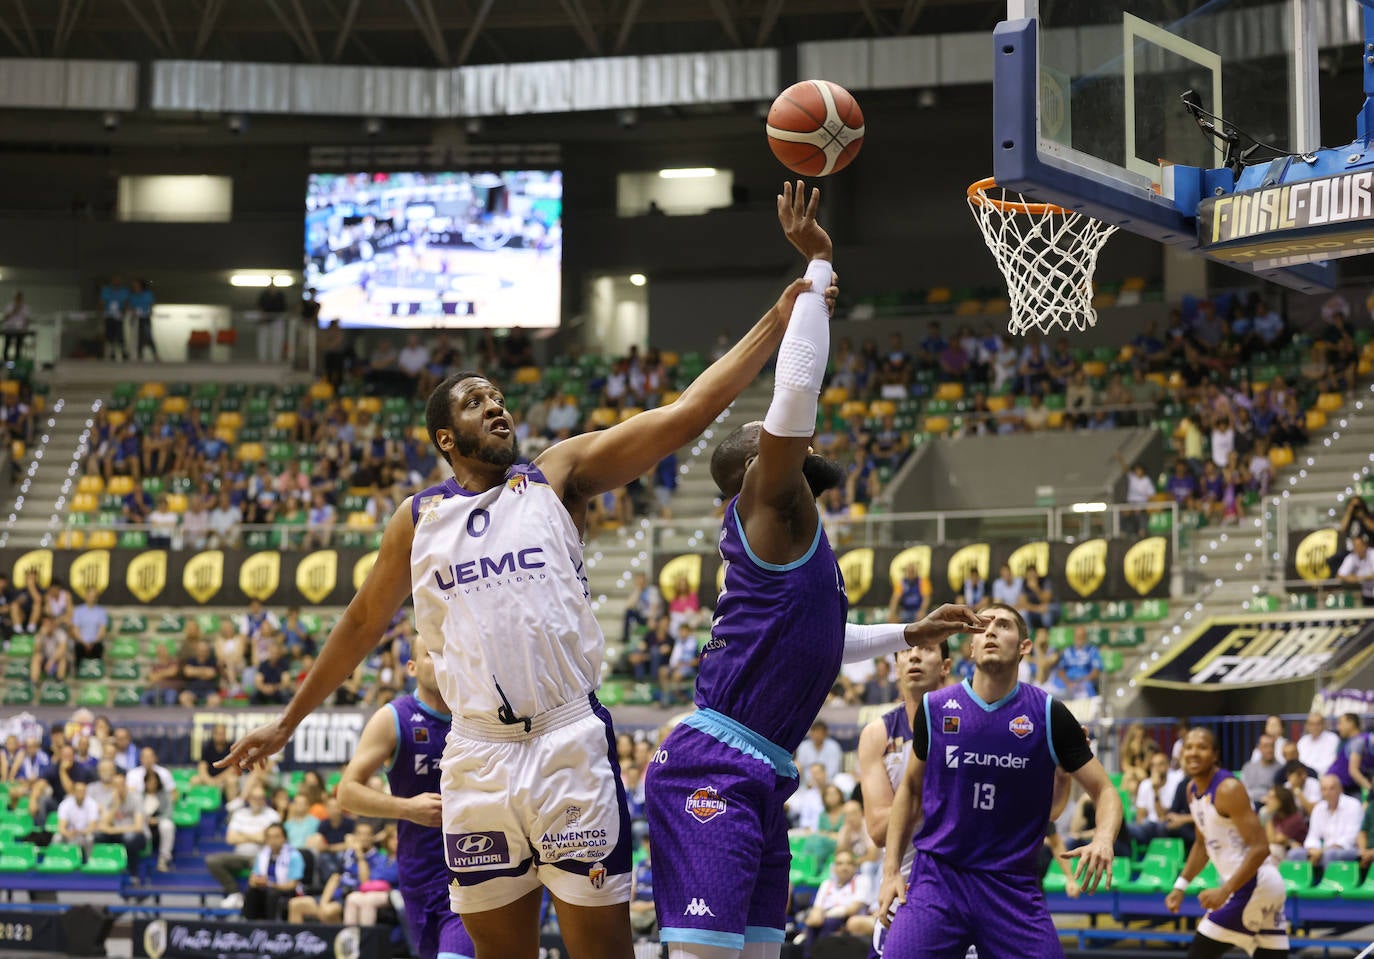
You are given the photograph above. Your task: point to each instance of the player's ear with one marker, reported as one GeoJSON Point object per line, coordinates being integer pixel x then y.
{"type": "Point", "coordinates": [444, 439]}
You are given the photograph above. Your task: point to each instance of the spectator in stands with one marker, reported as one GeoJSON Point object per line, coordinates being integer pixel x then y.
{"type": "Point", "coordinates": [412, 362]}
{"type": "Point", "coordinates": [1357, 520]}
{"type": "Point", "coordinates": [149, 768]}
{"type": "Point", "coordinates": [91, 622]}
{"type": "Point", "coordinates": [1318, 745]}
{"type": "Point", "coordinates": [882, 688]}
{"type": "Point", "coordinates": [247, 833]}
{"type": "Point", "coordinates": [28, 605]}
{"type": "Point", "coordinates": [78, 818]}
{"type": "Point", "coordinates": [32, 763]}
{"type": "Point", "coordinates": [805, 806]}
{"type": "Point", "coordinates": [1354, 763]}
{"type": "Point", "coordinates": [682, 668]}
{"type": "Point", "coordinates": [1285, 823]}
{"type": "Point", "coordinates": [162, 524]}
{"type": "Point", "coordinates": [102, 787]}
{"type": "Point", "coordinates": [1037, 603]}
{"type": "Point", "coordinates": [1183, 486]}
{"type": "Point", "coordinates": [200, 676]}
{"type": "Point", "coordinates": [910, 597]}
{"type": "Point", "coordinates": [158, 798]}
{"type": "Point", "coordinates": [1303, 783]}
{"type": "Point", "coordinates": [1007, 588]}
{"type": "Point", "coordinates": [844, 893]}
{"type": "Point", "coordinates": [1273, 725]}
{"type": "Point", "coordinates": [15, 327]}
{"type": "Point", "coordinates": [57, 603]}
{"type": "Point", "coordinates": [820, 749]}
{"type": "Point", "coordinates": [1153, 799]}
{"type": "Point", "coordinates": [278, 872]}
{"type": "Point", "coordinates": [1257, 776]}
{"type": "Point", "coordinates": [51, 652]}
{"type": "Point", "coordinates": [975, 589]}
{"type": "Point", "coordinates": [231, 653]}
{"type": "Point", "coordinates": [1080, 666]}
{"type": "Point", "coordinates": [122, 821]}
{"type": "Point", "coordinates": [299, 824]}
{"type": "Point", "coordinates": [1357, 569]}
{"type": "Point", "coordinates": [225, 520]}
{"type": "Point", "coordinates": [57, 781]}
{"type": "Point", "coordinates": [320, 521]}
{"type": "Point", "coordinates": [125, 752]}
{"type": "Point", "coordinates": [361, 905]}
{"type": "Point", "coordinates": [360, 858]}
{"type": "Point", "coordinates": [212, 751]}
{"type": "Point", "coordinates": [1140, 490]}
{"type": "Point", "coordinates": [164, 683]}
{"type": "Point", "coordinates": [1332, 835]}
{"type": "Point", "coordinates": [195, 522]}
{"type": "Point", "coordinates": [330, 840]}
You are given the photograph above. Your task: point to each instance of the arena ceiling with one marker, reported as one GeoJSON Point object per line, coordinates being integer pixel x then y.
{"type": "Point", "coordinates": [430, 33]}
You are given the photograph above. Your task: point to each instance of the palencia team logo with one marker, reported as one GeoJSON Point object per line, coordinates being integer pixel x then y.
{"type": "Point", "coordinates": [705, 804]}
{"type": "Point", "coordinates": [1086, 567]}
{"type": "Point", "coordinates": [260, 574]}
{"type": "Point", "coordinates": [1144, 564]}
{"type": "Point", "coordinates": [1032, 554]}
{"type": "Point", "coordinates": [1315, 552]}
{"type": "Point", "coordinates": [155, 939]}
{"type": "Point", "coordinates": [686, 566]}
{"type": "Point", "coordinates": [38, 561]}
{"type": "Point", "coordinates": [362, 567]}
{"type": "Point", "coordinates": [348, 944]}
{"type": "Point", "coordinates": [203, 576]}
{"type": "Point", "coordinates": [1021, 726]}
{"type": "Point", "coordinates": [917, 557]}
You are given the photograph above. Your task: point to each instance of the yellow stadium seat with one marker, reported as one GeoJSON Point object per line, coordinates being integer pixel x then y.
{"type": "Point", "coordinates": [118, 418]}
{"type": "Point", "coordinates": [18, 450]}
{"type": "Point", "coordinates": [369, 404]}
{"type": "Point", "coordinates": [348, 404]}
{"type": "Point", "coordinates": [1367, 351]}
{"type": "Point", "coordinates": [1365, 367]}
{"type": "Point", "coordinates": [883, 408]}
{"type": "Point", "coordinates": [1095, 368]}
{"type": "Point", "coordinates": [969, 308]}
{"type": "Point", "coordinates": [949, 391]}
{"type": "Point", "coordinates": [9, 388]}
{"type": "Point", "coordinates": [835, 396]}
{"type": "Point", "coordinates": [939, 294]}
{"type": "Point", "coordinates": [1127, 352]}
{"type": "Point", "coordinates": [321, 390]}
{"type": "Point", "coordinates": [1280, 456]}
{"type": "Point", "coordinates": [1175, 380]}
{"type": "Point", "coordinates": [937, 424]}
{"type": "Point", "coordinates": [229, 419]}
{"type": "Point", "coordinates": [629, 411]}
{"type": "Point", "coordinates": [1329, 402]}
{"type": "Point", "coordinates": [1102, 301]}
{"type": "Point", "coordinates": [102, 539]}
{"type": "Point", "coordinates": [90, 484]}
{"type": "Point", "coordinates": [604, 416]}
{"type": "Point", "coordinates": [284, 421]}
{"type": "Point", "coordinates": [71, 539]}
{"type": "Point", "coordinates": [175, 405]}
{"type": "Point", "coordinates": [120, 485]}
{"type": "Point", "coordinates": [226, 434]}
{"type": "Point", "coordinates": [669, 358]}
{"type": "Point", "coordinates": [857, 510]}
{"type": "Point", "coordinates": [1133, 284]}
{"type": "Point", "coordinates": [1056, 419]}
{"type": "Point", "coordinates": [85, 503]}
{"type": "Point", "coordinates": [155, 390]}
{"type": "Point", "coordinates": [358, 519]}
{"type": "Point", "coordinates": [996, 307]}
{"type": "Point", "coordinates": [250, 452]}
{"type": "Point", "coordinates": [527, 375]}
{"type": "Point", "coordinates": [40, 403]}
{"type": "Point", "coordinates": [999, 403]}
{"type": "Point", "coordinates": [1158, 379]}
{"type": "Point", "coordinates": [1316, 419]}
{"type": "Point", "coordinates": [360, 491]}
{"type": "Point", "coordinates": [177, 502]}
{"type": "Point", "coordinates": [854, 408]}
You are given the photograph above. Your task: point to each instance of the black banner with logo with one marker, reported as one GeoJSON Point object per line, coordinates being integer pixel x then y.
{"type": "Point", "coordinates": [196, 939]}
{"type": "Point", "coordinates": [31, 931]}
{"type": "Point", "coordinates": [1097, 569]}
{"type": "Point", "coordinates": [1312, 554]}
{"type": "Point", "coordinates": [324, 738]}
{"type": "Point", "coordinates": [209, 577]}
{"type": "Point", "coordinates": [1236, 652]}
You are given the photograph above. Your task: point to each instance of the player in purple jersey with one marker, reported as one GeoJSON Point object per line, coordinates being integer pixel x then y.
{"type": "Point", "coordinates": [406, 737]}
{"type": "Point", "coordinates": [982, 775]}
{"type": "Point", "coordinates": [716, 787]}
{"type": "Point", "coordinates": [1246, 910]}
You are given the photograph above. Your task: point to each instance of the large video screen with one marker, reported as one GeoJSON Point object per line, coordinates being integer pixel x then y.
{"type": "Point", "coordinates": [425, 250]}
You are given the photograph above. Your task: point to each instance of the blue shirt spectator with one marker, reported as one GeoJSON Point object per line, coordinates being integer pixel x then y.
{"type": "Point", "coordinates": [1080, 666]}
{"type": "Point", "coordinates": [1007, 588]}
{"type": "Point", "coordinates": [91, 620]}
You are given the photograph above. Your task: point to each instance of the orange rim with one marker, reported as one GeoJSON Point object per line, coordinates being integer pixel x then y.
{"type": "Point", "coordinates": [977, 193]}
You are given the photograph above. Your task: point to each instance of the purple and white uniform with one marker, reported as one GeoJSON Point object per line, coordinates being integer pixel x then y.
{"type": "Point", "coordinates": [1253, 917]}
{"type": "Point", "coordinates": [988, 787]}
{"type": "Point", "coordinates": [436, 930]}
{"type": "Point", "coordinates": [716, 788]}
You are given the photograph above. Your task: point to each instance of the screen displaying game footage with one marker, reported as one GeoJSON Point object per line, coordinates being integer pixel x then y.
{"type": "Point", "coordinates": [426, 250]}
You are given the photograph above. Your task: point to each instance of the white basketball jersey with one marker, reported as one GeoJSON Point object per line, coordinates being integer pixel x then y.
{"type": "Point", "coordinates": [1225, 847]}
{"type": "Point", "coordinates": [498, 577]}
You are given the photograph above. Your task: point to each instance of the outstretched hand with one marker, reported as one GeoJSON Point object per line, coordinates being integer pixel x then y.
{"type": "Point", "coordinates": [257, 748]}
{"type": "Point", "coordinates": [798, 218]}
{"type": "Point", "coordinates": [1094, 864]}
{"type": "Point", "coordinates": [783, 308]}
{"type": "Point", "coordinates": [946, 621]}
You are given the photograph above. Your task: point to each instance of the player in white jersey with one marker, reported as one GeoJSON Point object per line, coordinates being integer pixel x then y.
{"type": "Point", "coordinates": [1246, 910]}
{"type": "Point", "coordinates": [532, 798]}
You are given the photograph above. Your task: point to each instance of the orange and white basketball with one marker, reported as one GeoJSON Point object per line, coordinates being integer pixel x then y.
{"type": "Point", "coordinates": [815, 128]}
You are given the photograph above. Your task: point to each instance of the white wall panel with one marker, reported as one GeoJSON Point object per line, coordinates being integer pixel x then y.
{"type": "Point", "coordinates": [101, 85]}
{"type": "Point", "coordinates": [539, 87]}
{"type": "Point", "coordinates": [479, 91]}
{"type": "Point", "coordinates": [257, 87]}
{"type": "Point", "coordinates": [846, 62]}
{"type": "Point", "coordinates": [605, 83]}
{"type": "Point", "coordinates": [190, 85]}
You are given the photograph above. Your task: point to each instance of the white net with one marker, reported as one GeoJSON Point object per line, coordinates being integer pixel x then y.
{"type": "Point", "coordinates": [1047, 255]}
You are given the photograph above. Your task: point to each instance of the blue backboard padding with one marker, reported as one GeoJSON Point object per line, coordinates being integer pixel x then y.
{"type": "Point", "coordinates": [1018, 165]}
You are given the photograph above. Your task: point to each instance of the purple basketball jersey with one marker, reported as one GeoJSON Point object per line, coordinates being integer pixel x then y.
{"type": "Point", "coordinates": [414, 769]}
{"type": "Point", "coordinates": [989, 779]}
{"type": "Point", "coordinates": [777, 637]}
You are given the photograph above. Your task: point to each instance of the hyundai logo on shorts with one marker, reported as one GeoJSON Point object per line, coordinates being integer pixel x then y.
{"type": "Point", "coordinates": [476, 850]}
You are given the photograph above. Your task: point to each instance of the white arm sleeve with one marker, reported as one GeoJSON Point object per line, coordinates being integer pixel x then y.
{"type": "Point", "coordinates": [801, 360]}
{"type": "Point", "coordinates": [870, 642]}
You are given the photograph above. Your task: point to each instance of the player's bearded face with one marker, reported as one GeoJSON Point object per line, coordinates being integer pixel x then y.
{"type": "Point", "coordinates": [485, 446]}
{"type": "Point", "coordinates": [821, 474]}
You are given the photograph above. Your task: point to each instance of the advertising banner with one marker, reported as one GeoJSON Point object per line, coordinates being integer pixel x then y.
{"type": "Point", "coordinates": [209, 577]}
{"type": "Point", "coordinates": [209, 939]}
{"type": "Point", "coordinates": [1237, 652]}
{"type": "Point", "coordinates": [1097, 569]}
{"type": "Point", "coordinates": [324, 738]}
{"type": "Point", "coordinates": [32, 932]}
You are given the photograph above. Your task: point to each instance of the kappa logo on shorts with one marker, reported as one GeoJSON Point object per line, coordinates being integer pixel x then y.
{"type": "Point", "coordinates": [698, 907]}
{"type": "Point", "coordinates": [597, 875]}
{"type": "Point", "coordinates": [951, 724]}
{"type": "Point", "coordinates": [476, 850]}
{"type": "Point", "coordinates": [1021, 726]}
{"type": "Point", "coordinates": [705, 804]}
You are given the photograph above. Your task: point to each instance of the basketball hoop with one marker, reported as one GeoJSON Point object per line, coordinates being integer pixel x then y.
{"type": "Point", "coordinates": [1047, 255]}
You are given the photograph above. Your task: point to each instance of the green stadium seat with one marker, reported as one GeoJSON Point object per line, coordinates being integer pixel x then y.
{"type": "Point", "coordinates": [16, 669]}
{"type": "Point", "coordinates": [95, 695]}
{"type": "Point", "coordinates": [123, 649]}
{"type": "Point", "coordinates": [186, 815]}
{"type": "Point", "coordinates": [1340, 878]}
{"type": "Point", "coordinates": [208, 798]}
{"type": "Point", "coordinates": [20, 646]}
{"type": "Point", "coordinates": [124, 671]}
{"type": "Point", "coordinates": [19, 694]}
{"type": "Point", "coordinates": [1362, 893]}
{"type": "Point", "coordinates": [1151, 610]}
{"type": "Point", "coordinates": [1170, 848]}
{"type": "Point", "coordinates": [1209, 878]}
{"type": "Point", "coordinates": [132, 625]}
{"type": "Point", "coordinates": [1155, 876]}
{"type": "Point", "coordinates": [1075, 613]}
{"type": "Point", "coordinates": [153, 485]}
{"type": "Point", "coordinates": [1160, 521]}
{"type": "Point", "coordinates": [1297, 876]}
{"type": "Point", "coordinates": [1112, 661]}
{"type": "Point", "coordinates": [1302, 601]}
{"type": "Point", "coordinates": [60, 859]}
{"type": "Point", "coordinates": [209, 623]}
{"type": "Point", "coordinates": [1061, 637]}
{"type": "Point", "coordinates": [54, 693]}
{"type": "Point", "coordinates": [1099, 636]}
{"type": "Point", "coordinates": [1117, 611]}
{"type": "Point", "coordinates": [18, 857]}
{"type": "Point", "coordinates": [133, 539]}
{"type": "Point", "coordinates": [106, 859]}
{"type": "Point", "coordinates": [1128, 636]}
{"type": "Point", "coordinates": [169, 624]}
{"type": "Point", "coordinates": [1264, 604]}
{"type": "Point", "coordinates": [128, 696]}
{"type": "Point", "coordinates": [90, 669]}
{"type": "Point", "coordinates": [1341, 600]}
{"type": "Point", "coordinates": [310, 622]}
{"type": "Point", "coordinates": [125, 390]}
{"type": "Point", "coordinates": [1055, 880]}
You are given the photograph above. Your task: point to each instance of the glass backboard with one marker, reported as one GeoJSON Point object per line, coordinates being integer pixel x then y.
{"type": "Point", "coordinates": [1089, 100]}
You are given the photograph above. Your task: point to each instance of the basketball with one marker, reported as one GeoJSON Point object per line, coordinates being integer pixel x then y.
{"type": "Point", "coordinates": [815, 128]}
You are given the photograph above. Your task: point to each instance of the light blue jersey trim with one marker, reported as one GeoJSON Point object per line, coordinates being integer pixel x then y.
{"type": "Point", "coordinates": [1049, 730]}
{"type": "Point", "coordinates": [734, 733]}
{"type": "Point", "coordinates": [702, 937]}
{"type": "Point", "coordinates": [763, 934]}
{"type": "Point", "coordinates": [396, 750]}
{"type": "Point", "coordinates": [774, 567]}
{"type": "Point", "coordinates": [925, 704]}
{"type": "Point", "coordinates": [990, 707]}
{"type": "Point", "coordinates": [442, 717]}
{"type": "Point", "coordinates": [452, 955]}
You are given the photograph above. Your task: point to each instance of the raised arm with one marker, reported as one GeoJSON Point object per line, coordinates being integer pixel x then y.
{"type": "Point", "coordinates": [358, 630]}
{"type": "Point", "coordinates": [376, 747]}
{"type": "Point", "coordinates": [884, 639]}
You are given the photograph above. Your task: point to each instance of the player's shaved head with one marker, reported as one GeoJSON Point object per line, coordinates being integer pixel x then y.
{"type": "Point", "coordinates": [732, 457]}
{"type": "Point", "coordinates": [1211, 737]}
{"type": "Point", "coordinates": [439, 407]}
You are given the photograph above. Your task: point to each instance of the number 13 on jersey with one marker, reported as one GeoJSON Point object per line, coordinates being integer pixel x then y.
{"type": "Point", "coordinates": [984, 794]}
